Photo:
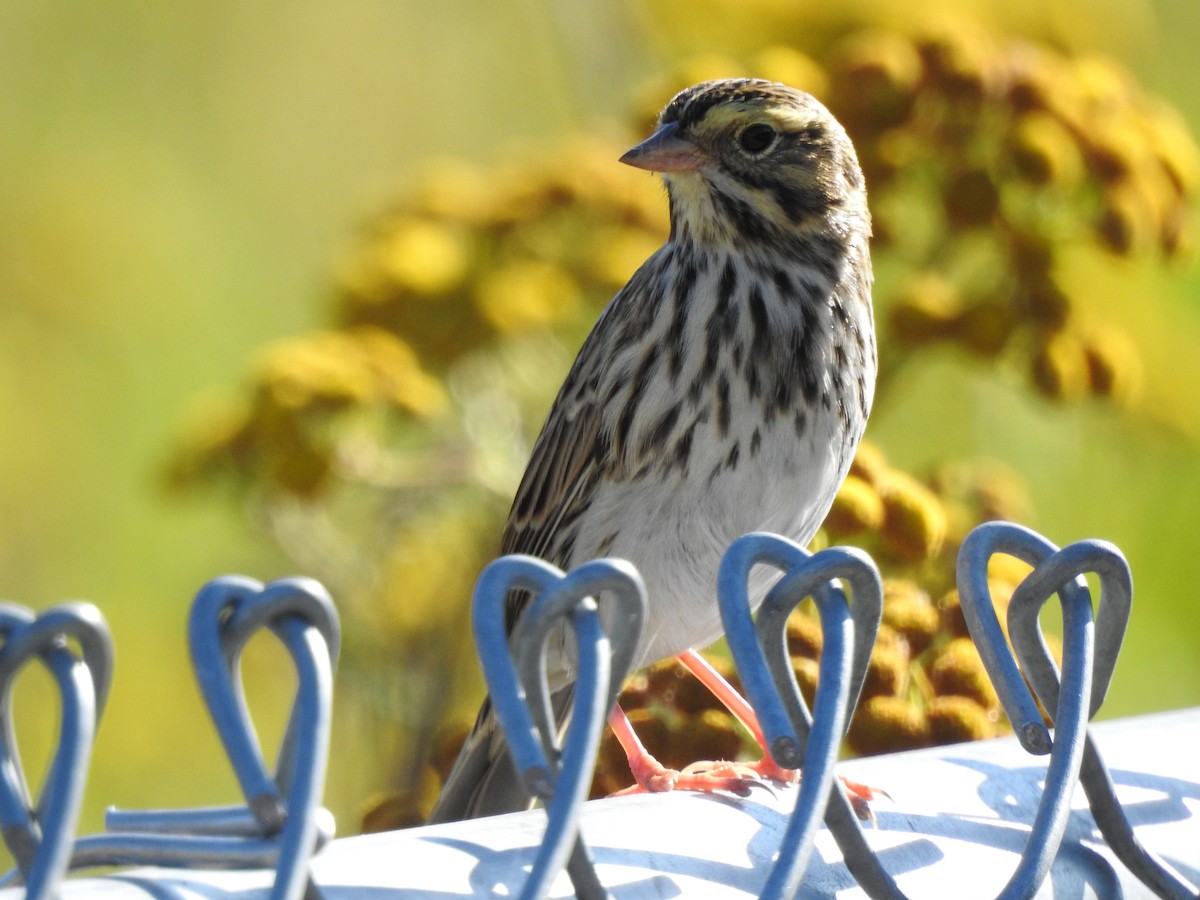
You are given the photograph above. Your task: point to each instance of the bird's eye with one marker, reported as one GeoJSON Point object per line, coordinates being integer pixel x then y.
{"type": "Point", "coordinates": [757, 138]}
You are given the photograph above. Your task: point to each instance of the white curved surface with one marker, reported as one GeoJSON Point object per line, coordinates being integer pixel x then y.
{"type": "Point", "coordinates": [955, 825]}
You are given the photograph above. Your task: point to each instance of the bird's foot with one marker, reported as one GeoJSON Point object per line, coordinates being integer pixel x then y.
{"type": "Point", "coordinates": [860, 794]}
{"type": "Point", "coordinates": [740, 778]}
{"type": "Point", "coordinates": [706, 776]}
{"type": "Point", "coordinates": [768, 768]}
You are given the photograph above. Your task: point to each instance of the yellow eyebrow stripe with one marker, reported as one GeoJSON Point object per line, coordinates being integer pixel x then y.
{"type": "Point", "coordinates": [782, 118]}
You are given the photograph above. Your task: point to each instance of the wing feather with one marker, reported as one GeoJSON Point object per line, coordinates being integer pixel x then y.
{"type": "Point", "coordinates": [573, 453]}
{"type": "Point", "coordinates": [563, 467]}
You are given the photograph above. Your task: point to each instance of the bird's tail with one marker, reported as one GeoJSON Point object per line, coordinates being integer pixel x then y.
{"type": "Point", "coordinates": [483, 781]}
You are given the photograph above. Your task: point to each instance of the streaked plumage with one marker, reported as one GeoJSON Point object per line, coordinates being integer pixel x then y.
{"type": "Point", "coordinates": [723, 390]}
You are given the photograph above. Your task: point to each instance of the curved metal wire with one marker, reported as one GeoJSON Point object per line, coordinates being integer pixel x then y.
{"type": "Point", "coordinates": [520, 692]}
{"type": "Point", "coordinates": [796, 738]}
{"type": "Point", "coordinates": [282, 824]}
{"type": "Point", "coordinates": [1070, 704]}
{"type": "Point", "coordinates": [775, 696]}
{"type": "Point", "coordinates": [1078, 698]}
{"type": "Point", "coordinates": [225, 614]}
{"type": "Point", "coordinates": [40, 834]}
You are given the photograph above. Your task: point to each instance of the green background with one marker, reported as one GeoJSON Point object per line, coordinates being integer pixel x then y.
{"type": "Point", "coordinates": [176, 181]}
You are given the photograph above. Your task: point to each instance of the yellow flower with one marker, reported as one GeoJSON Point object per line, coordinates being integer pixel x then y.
{"type": "Point", "coordinates": [333, 369]}
{"type": "Point", "coordinates": [887, 670]}
{"type": "Point", "coordinates": [856, 507]}
{"type": "Point", "coordinates": [804, 635]}
{"type": "Point", "coordinates": [1101, 83]}
{"type": "Point", "coordinates": [1043, 151]}
{"type": "Point", "coordinates": [953, 720]}
{"type": "Point", "coordinates": [1059, 367]}
{"type": "Point", "coordinates": [914, 521]}
{"type": "Point", "coordinates": [1126, 224]}
{"type": "Point", "coordinates": [1111, 147]}
{"type": "Point", "coordinates": [401, 380]}
{"type": "Point", "coordinates": [1035, 78]}
{"type": "Point", "coordinates": [806, 670]}
{"type": "Point", "coordinates": [875, 76]}
{"type": "Point", "coordinates": [958, 62]}
{"type": "Point", "coordinates": [424, 256]}
{"type": "Point", "coordinates": [527, 294]}
{"type": "Point", "coordinates": [884, 724]}
{"type": "Point", "coordinates": [1174, 148]}
{"type": "Point", "coordinates": [790, 66]}
{"type": "Point", "coordinates": [908, 610]}
{"type": "Point", "coordinates": [927, 306]}
{"type": "Point", "coordinates": [957, 670]}
{"type": "Point", "coordinates": [869, 463]}
{"type": "Point", "coordinates": [319, 368]}
{"type": "Point", "coordinates": [1113, 365]}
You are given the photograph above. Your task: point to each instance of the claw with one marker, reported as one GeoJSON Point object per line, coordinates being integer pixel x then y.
{"type": "Point", "coordinates": [765, 785]}
{"type": "Point", "coordinates": [862, 809]}
{"type": "Point", "coordinates": [860, 796]}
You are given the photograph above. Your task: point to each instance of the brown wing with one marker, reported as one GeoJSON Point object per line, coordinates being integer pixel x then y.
{"type": "Point", "coordinates": [559, 476]}
{"type": "Point", "coordinates": [572, 453]}
{"type": "Point", "coordinates": [563, 466]}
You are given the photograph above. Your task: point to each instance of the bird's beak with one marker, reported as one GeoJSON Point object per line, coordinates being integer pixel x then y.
{"type": "Point", "coordinates": [665, 151]}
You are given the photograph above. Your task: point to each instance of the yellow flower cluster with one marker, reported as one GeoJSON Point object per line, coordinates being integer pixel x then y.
{"type": "Point", "coordinates": [926, 683]}
{"type": "Point", "coordinates": [1025, 129]}
{"type": "Point", "coordinates": [908, 524]}
{"type": "Point", "coordinates": [477, 257]}
{"type": "Point", "coordinates": [287, 437]}
{"type": "Point", "coordinates": [937, 691]}
{"type": "Point", "coordinates": [990, 162]}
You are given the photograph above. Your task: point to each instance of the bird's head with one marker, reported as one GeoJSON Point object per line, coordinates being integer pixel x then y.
{"type": "Point", "coordinates": [747, 160]}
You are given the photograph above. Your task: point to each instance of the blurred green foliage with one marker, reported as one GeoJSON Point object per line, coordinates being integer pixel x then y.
{"type": "Point", "coordinates": [175, 183]}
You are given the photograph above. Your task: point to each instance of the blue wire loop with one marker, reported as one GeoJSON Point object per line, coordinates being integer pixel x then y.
{"type": "Point", "coordinates": [282, 825]}
{"type": "Point", "coordinates": [1084, 682]}
{"type": "Point", "coordinates": [225, 614]}
{"type": "Point", "coordinates": [1070, 705]}
{"type": "Point", "coordinates": [520, 691]}
{"type": "Point", "coordinates": [1060, 571]}
{"type": "Point", "coordinates": [796, 739]}
{"type": "Point", "coordinates": [39, 835]}
{"type": "Point", "coordinates": [595, 615]}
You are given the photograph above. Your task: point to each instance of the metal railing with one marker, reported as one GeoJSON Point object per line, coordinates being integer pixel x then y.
{"type": "Point", "coordinates": [281, 825]}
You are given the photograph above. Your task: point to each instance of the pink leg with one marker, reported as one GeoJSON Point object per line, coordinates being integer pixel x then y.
{"type": "Point", "coordinates": [653, 776]}
{"type": "Point", "coordinates": [741, 710]}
